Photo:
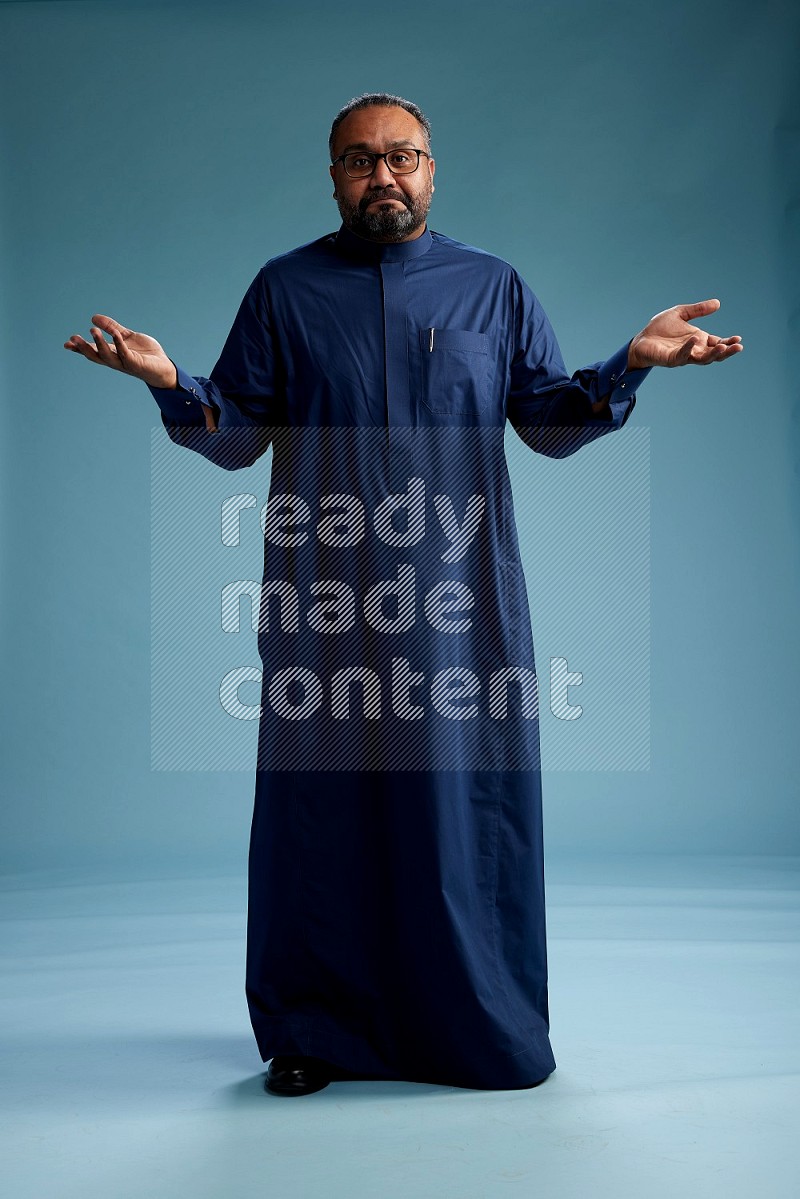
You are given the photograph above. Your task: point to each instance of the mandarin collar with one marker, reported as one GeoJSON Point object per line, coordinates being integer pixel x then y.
{"type": "Point", "coordinates": [377, 251]}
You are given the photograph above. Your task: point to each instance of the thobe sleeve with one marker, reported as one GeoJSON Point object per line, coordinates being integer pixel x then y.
{"type": "Point", "coordinates": [241, 391]}
{"type": "Point", "coordinates": [550, 411]}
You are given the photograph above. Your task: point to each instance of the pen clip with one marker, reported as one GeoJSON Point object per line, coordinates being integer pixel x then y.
{"type": "Point", "coordinates": [430, 342]}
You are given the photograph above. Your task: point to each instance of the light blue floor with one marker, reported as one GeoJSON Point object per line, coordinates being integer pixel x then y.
{"type": "Point", "coordinates": [130, 1069]}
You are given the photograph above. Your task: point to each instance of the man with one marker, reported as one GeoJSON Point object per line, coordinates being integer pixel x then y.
{"type": "Point", "coordinates": [396, 896]}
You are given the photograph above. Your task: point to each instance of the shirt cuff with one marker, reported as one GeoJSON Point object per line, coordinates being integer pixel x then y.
{"type": "Point", "coordinates": [182, 405]}
{"type": "Point", "coordinates": [615, 380]}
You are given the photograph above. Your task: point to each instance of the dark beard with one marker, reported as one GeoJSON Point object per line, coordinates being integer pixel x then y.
{"type": "Point", "coordinates": [385, 224]}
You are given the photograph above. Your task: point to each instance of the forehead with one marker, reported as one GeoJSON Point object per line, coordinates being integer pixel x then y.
{"type": "Point", "coordinates": [376, 127]}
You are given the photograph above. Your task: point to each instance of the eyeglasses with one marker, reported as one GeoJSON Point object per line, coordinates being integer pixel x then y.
{"type": "Point", "coordinates": [358, 164]}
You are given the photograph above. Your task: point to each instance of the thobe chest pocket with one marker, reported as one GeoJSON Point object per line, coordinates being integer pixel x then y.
{"type": "Point", "coordinates": [455, 373]}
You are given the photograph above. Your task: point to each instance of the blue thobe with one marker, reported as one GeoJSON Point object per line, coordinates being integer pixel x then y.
{"type": "Point", "coordinates": [396, 913]}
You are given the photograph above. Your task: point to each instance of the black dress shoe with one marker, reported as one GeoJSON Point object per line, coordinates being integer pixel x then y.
{"type": "Point", "coordinates": [296, 1076]}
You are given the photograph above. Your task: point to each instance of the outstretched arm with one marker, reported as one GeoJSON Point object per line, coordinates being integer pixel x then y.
{"type": "Point", "coordinates": [555, 415]}
{"type": "Point", "coordinates": [230, 417]}
{"type": "Point", "coordinates": [132, 353]}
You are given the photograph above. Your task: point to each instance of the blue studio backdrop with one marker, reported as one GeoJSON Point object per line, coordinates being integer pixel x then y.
{"type": "Point", "coordinates": [623, 159]}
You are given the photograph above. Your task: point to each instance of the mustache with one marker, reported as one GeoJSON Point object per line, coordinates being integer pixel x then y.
{"type": "Point", "coordinates": [382, 195]}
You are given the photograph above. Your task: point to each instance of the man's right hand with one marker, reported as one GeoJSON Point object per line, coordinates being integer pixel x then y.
{"type": "Point", "coordinates": [132, 353]}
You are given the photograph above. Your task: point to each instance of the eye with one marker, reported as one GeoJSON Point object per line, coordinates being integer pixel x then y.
{"type": "Point", "coordinates": [359, 160]}
{"type": "Point", "coordinates": [399, 157]}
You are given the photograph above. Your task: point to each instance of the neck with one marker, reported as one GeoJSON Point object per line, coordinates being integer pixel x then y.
{"type": "Point", "coordinates": [355, 246]}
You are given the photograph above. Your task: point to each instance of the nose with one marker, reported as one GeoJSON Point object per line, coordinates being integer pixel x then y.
{"type": "Point", "coordinates": [382, 176]}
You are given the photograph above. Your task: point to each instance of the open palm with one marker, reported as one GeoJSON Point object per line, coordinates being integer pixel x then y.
{"type": "Point", "coordinates": [669, 340]}
{"type": "Point", "coordinates": [132, 353]}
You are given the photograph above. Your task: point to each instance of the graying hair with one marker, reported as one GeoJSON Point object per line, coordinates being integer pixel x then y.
{"type": "Point", "coordinates": [382, 100]}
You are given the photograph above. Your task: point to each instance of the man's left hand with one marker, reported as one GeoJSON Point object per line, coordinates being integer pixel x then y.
{"type": "Point", "coordinates": [669, 340]}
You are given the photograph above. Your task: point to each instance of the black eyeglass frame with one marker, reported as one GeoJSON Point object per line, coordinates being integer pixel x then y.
{"type": "Point", "coordinates": [378, 157]}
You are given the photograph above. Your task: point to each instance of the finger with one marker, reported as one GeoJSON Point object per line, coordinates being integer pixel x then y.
{"type": "Point", "coordinates": [124, 356]}
{"type": "Point", "coordinates": [713, 354]}
{"type": "Point", "coordinates": [105, 352]}
{"type": "Point", "coordinates": [688, 312]}
{"type": "Point", "coordinates": [692, 350]}
{"type": "Point", "coordinates": [708, 354]}
{"type": "Point", "coordinates": [77, 344]}
{"type": "Point", "coordinates": [108, 324]}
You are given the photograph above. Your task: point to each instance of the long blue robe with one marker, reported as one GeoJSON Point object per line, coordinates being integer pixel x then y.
{"type": "Point", "coordinates": [396, 914]}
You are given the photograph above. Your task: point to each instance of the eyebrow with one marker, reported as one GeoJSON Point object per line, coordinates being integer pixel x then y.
{"type": "Point", "coordinates": [404, 141]}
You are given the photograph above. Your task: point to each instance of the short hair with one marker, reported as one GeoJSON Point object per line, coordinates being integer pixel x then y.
{"type": "Point", "coordinates": [379, 100]}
